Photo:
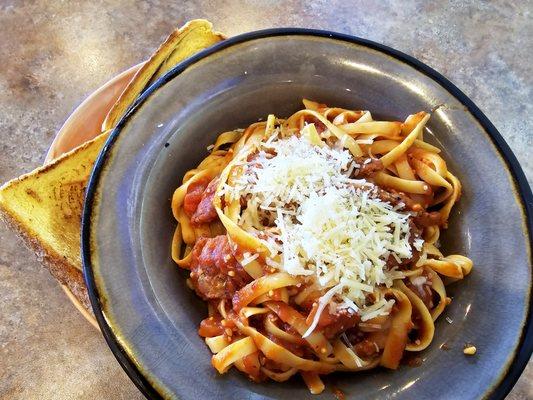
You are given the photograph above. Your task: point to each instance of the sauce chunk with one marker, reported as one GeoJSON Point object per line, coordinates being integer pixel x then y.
{"type": "Point", "coordinates": [215, 273]}
{"type": "Point", "coordinates": [198, 202]}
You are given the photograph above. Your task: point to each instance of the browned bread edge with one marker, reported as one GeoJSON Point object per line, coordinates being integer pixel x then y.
{"type": "Point", "coordinates": [60, 268]}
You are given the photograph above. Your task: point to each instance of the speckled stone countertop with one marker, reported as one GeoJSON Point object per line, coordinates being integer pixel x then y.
{"type": "Point", "coordinates": [53, 54]}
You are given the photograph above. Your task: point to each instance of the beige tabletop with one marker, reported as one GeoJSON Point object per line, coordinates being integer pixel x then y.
{"type": "Point", "coordinates": [53, 54]}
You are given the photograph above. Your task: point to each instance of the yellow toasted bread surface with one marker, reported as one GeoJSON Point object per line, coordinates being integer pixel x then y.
{"type": "Point", "coordinates": [45, 207]}
{"type": "Point", "coordinates": [192, 37]}
{"type": "Point", "coordinates": [194, 40]}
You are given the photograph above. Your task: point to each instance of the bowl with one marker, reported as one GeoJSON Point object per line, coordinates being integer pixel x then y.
{"type": "Point", "coordinates": [148, 315]}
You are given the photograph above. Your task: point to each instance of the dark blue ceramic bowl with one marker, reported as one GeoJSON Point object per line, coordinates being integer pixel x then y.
{"type": "Point", "coordinates": [149, 316]}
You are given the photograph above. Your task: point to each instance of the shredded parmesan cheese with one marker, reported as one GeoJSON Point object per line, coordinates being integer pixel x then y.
{"type": "Point", "coordinates": [419, 280]}
{"type": "Point", "coordinates": [319, 222]}
{"type": "Point", "coordinates": [248, 258]}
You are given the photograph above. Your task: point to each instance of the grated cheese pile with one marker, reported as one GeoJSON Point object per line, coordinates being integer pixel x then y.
{"type": "Point", "coordinates": [320, 223]}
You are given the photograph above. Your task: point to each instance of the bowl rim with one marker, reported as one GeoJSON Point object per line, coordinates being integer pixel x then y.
{"type": "Point", "coordinates": [511, 372]}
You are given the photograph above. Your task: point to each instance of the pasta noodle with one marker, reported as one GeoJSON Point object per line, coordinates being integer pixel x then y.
{"type": "Point", "coordinates": [314, 241]}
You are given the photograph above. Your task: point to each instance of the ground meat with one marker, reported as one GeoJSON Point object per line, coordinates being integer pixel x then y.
{"type": "Point", "coordinates": [198, 202]}
{"type": "Point", "coordinates": [367, 169]}
{"type": "Point", "coordinates": [362, 345]}
{"type": "Point", "coordinates": [211, 327]}
{"type": "Point", "coordinates": [365, 348]}
{"type": "Point", "coordinates": [423, 291]}
{"type": "Point", "coordinates": [419, 220]}
{"type": "Point", "coordinates": [320, 127]}
{"type": "Point", "coordinates": [215, 273]}
{"type": "Point", "coordinates": [194, 195]}
{"type": "Point", "coordinates": [425, 218]}
{"type": "Point", "coordinates": [334, 324]}
{"type": "Point", "coordinates": [216, 325]}
{"type": "Point", "coordinates": [393, 197]}
{"type": "Point", "coordinates": [342, 320]}
{"type": "Point", "coordinates": [415, 234]}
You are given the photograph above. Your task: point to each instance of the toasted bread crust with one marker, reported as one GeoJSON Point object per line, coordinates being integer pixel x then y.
{"type": "Point", "coordinates": [161, 61]}
{"type": "Point", "coordinates": [61, 269]}
{"type": "Point", "coordinates": [64, 262]}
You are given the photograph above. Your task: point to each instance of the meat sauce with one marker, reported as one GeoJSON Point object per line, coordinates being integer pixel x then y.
{"type": "Point", "coordinates": [198, 202]}
{"type": "Point", "coordinates": [320, 127]}
{"type": "Point", "coordinates": [394, 198]}
{"type": "Point", "coordinates": [425, 218]}
{"type": "Point", "coordinates": [423, 291]}
{"type": "Point", "coordinates": [366, 168]}
{"type": "Point", "coordinates": [363, 346]}
{"type": "Point", "coordinates": [333, 324]}
{"type": "Point", "coordinates": [415, 254]}
{"type": "Point", "coordinates": [215, 273]}
{"type": "Point", "coordinates": [211, 327]}
{"type": "Point", "coordinates": [422, 218]}
{"type": "Point", "coordinates": [253, 368]}
{"type": "Point", "coordinates": [194, 195]}
{"type": "Point", "coordinates": [216, 325]}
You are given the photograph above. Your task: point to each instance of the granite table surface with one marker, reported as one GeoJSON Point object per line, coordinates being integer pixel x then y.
{"type": "Point", "coordinates": [55, 53]}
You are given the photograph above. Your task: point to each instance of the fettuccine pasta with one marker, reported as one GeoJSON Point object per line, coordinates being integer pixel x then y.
{"type": "Point", "coordinates": [314, 241]}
